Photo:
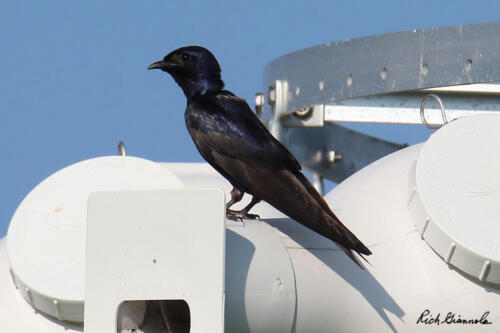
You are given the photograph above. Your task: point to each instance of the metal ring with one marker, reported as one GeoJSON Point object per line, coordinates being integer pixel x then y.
{"type": "Point", "coordinates": [121, 149]}
{"type": "Point", "coordinates": [441, 106]}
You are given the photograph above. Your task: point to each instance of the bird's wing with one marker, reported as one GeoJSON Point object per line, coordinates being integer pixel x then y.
{"type": "Point", "coordinates": [227, 125]}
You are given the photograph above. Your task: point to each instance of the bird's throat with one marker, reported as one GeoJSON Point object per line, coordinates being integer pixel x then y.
{"type": "Point", "coordinates": [195, 87]}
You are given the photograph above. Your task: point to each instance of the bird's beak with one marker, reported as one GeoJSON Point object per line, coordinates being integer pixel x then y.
{"type": "Point", "coordinates": [163, 65]}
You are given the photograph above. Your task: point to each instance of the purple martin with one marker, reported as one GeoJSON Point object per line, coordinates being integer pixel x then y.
{"type": "Point", "coordinates": [232, 139]}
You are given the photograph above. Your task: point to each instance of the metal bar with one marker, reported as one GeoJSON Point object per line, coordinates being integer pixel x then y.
{"type": "Point", "coordinates": [318, 183]}
{"type": "Point", "coordinates": [477, 88]}
{"type": "Point", "coordinates": [404, 108]}
{"type": "Point", "coordinates": [388, 115]}
{"type": "Point", "coordinates": [387, 63]}
{"type": "Point", "coordinates": [379, 79]}
{"type": "Point", "coordinates": [280, 107]}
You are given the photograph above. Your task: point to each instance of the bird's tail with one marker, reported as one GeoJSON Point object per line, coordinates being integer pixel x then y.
{"type": "Point", "coordinates": [348, 242]}
{"type": "Point", "coordinates": [337, 231]}
{"type": "Point", "coordinates": [351, 255]}
{"type": "Point", "coordinates": [299, 200]}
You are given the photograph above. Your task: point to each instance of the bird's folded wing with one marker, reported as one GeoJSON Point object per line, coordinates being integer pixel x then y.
{"type": "Point", "coordinates": [241, 135]}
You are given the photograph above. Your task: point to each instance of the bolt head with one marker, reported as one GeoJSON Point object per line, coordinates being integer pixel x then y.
{"type": "Point", "coordinates": [259, 99]}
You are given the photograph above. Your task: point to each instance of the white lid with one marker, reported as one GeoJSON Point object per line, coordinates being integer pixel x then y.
{"type": "Point", "coordinates": [455, 195]}
{"type": "Point", "coordinates": [46, 237]}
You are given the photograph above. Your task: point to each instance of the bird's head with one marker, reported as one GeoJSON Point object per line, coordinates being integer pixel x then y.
{"type": "Point", "coordinates": [194, 68]}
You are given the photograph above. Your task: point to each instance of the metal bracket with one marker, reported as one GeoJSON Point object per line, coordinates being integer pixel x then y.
{"type": "Point", "coordinates": [379, 79]}
{"type": "Point", "coordinates": [404, 108]}
{"type": "Point", "coordinates": [279, 99]}
{"type": "Point", "coordinates": [334, 151]}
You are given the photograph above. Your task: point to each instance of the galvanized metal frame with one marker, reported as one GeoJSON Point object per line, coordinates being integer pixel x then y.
{"type": "Point", "coordinates": [380, 79]}
{"type": "Point", "coordinates": [388, 63]}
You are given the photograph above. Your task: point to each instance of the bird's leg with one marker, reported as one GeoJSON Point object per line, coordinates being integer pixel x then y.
{"type": "Point", "coordinates": [243, 214]}
{"type": "Point", "coordinates": [236, 196]}
{"type": "Point", "coordinates": [252, 203]}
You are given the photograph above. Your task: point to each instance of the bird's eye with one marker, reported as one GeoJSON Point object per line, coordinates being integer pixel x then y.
{"type": "Point", "coordinates": [186, 57]}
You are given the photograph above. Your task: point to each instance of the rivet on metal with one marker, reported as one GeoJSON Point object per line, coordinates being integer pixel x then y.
{"type": "Point", "coordinates": [450, 252]}
{"type": "Point", "coordinates": [427, 220]}
{"type": "Point", "coordinates": [121, 149]}
{"type": "Point", "coordinates": [485, 270]}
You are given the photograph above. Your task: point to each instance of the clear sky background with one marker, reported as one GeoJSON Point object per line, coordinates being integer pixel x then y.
{"type": "Point", "coordinates": [73, 78]}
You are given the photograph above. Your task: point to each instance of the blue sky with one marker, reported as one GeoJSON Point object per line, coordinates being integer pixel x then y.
{"type": "Point", "coordinates": [74, 82]}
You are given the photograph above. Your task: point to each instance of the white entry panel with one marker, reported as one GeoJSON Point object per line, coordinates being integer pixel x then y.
{"type": "Point", "coordinates": [155, 245]}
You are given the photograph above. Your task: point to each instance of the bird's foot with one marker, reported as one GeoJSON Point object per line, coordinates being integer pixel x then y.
{"type": "Point", "coordinates": [252, 216]}
{"type": "Point", "coordinates": [239, 215]}
{"type": "Point", "coordinates": [234, 215]}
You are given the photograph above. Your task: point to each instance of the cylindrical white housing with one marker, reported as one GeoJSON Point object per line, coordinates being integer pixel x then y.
{"type": "Point", "coordinates": [282, 277]}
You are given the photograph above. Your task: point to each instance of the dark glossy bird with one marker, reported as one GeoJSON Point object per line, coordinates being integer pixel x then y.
{"type": "Point", "coordinates": [232, 139]}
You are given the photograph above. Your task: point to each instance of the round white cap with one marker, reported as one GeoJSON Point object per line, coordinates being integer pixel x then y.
{"type": "Point", "coordinates": [46, 236]}
{"type": "Point", "coordinates": [455, 195]}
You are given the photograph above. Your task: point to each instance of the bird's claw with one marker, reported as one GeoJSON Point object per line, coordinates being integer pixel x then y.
{"type": "Point", "coordinates": [239, 215]}
{"type": "Point", "coordinates": [252, 216]}
{"type": "Point", "coordinates": [234, 215]}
